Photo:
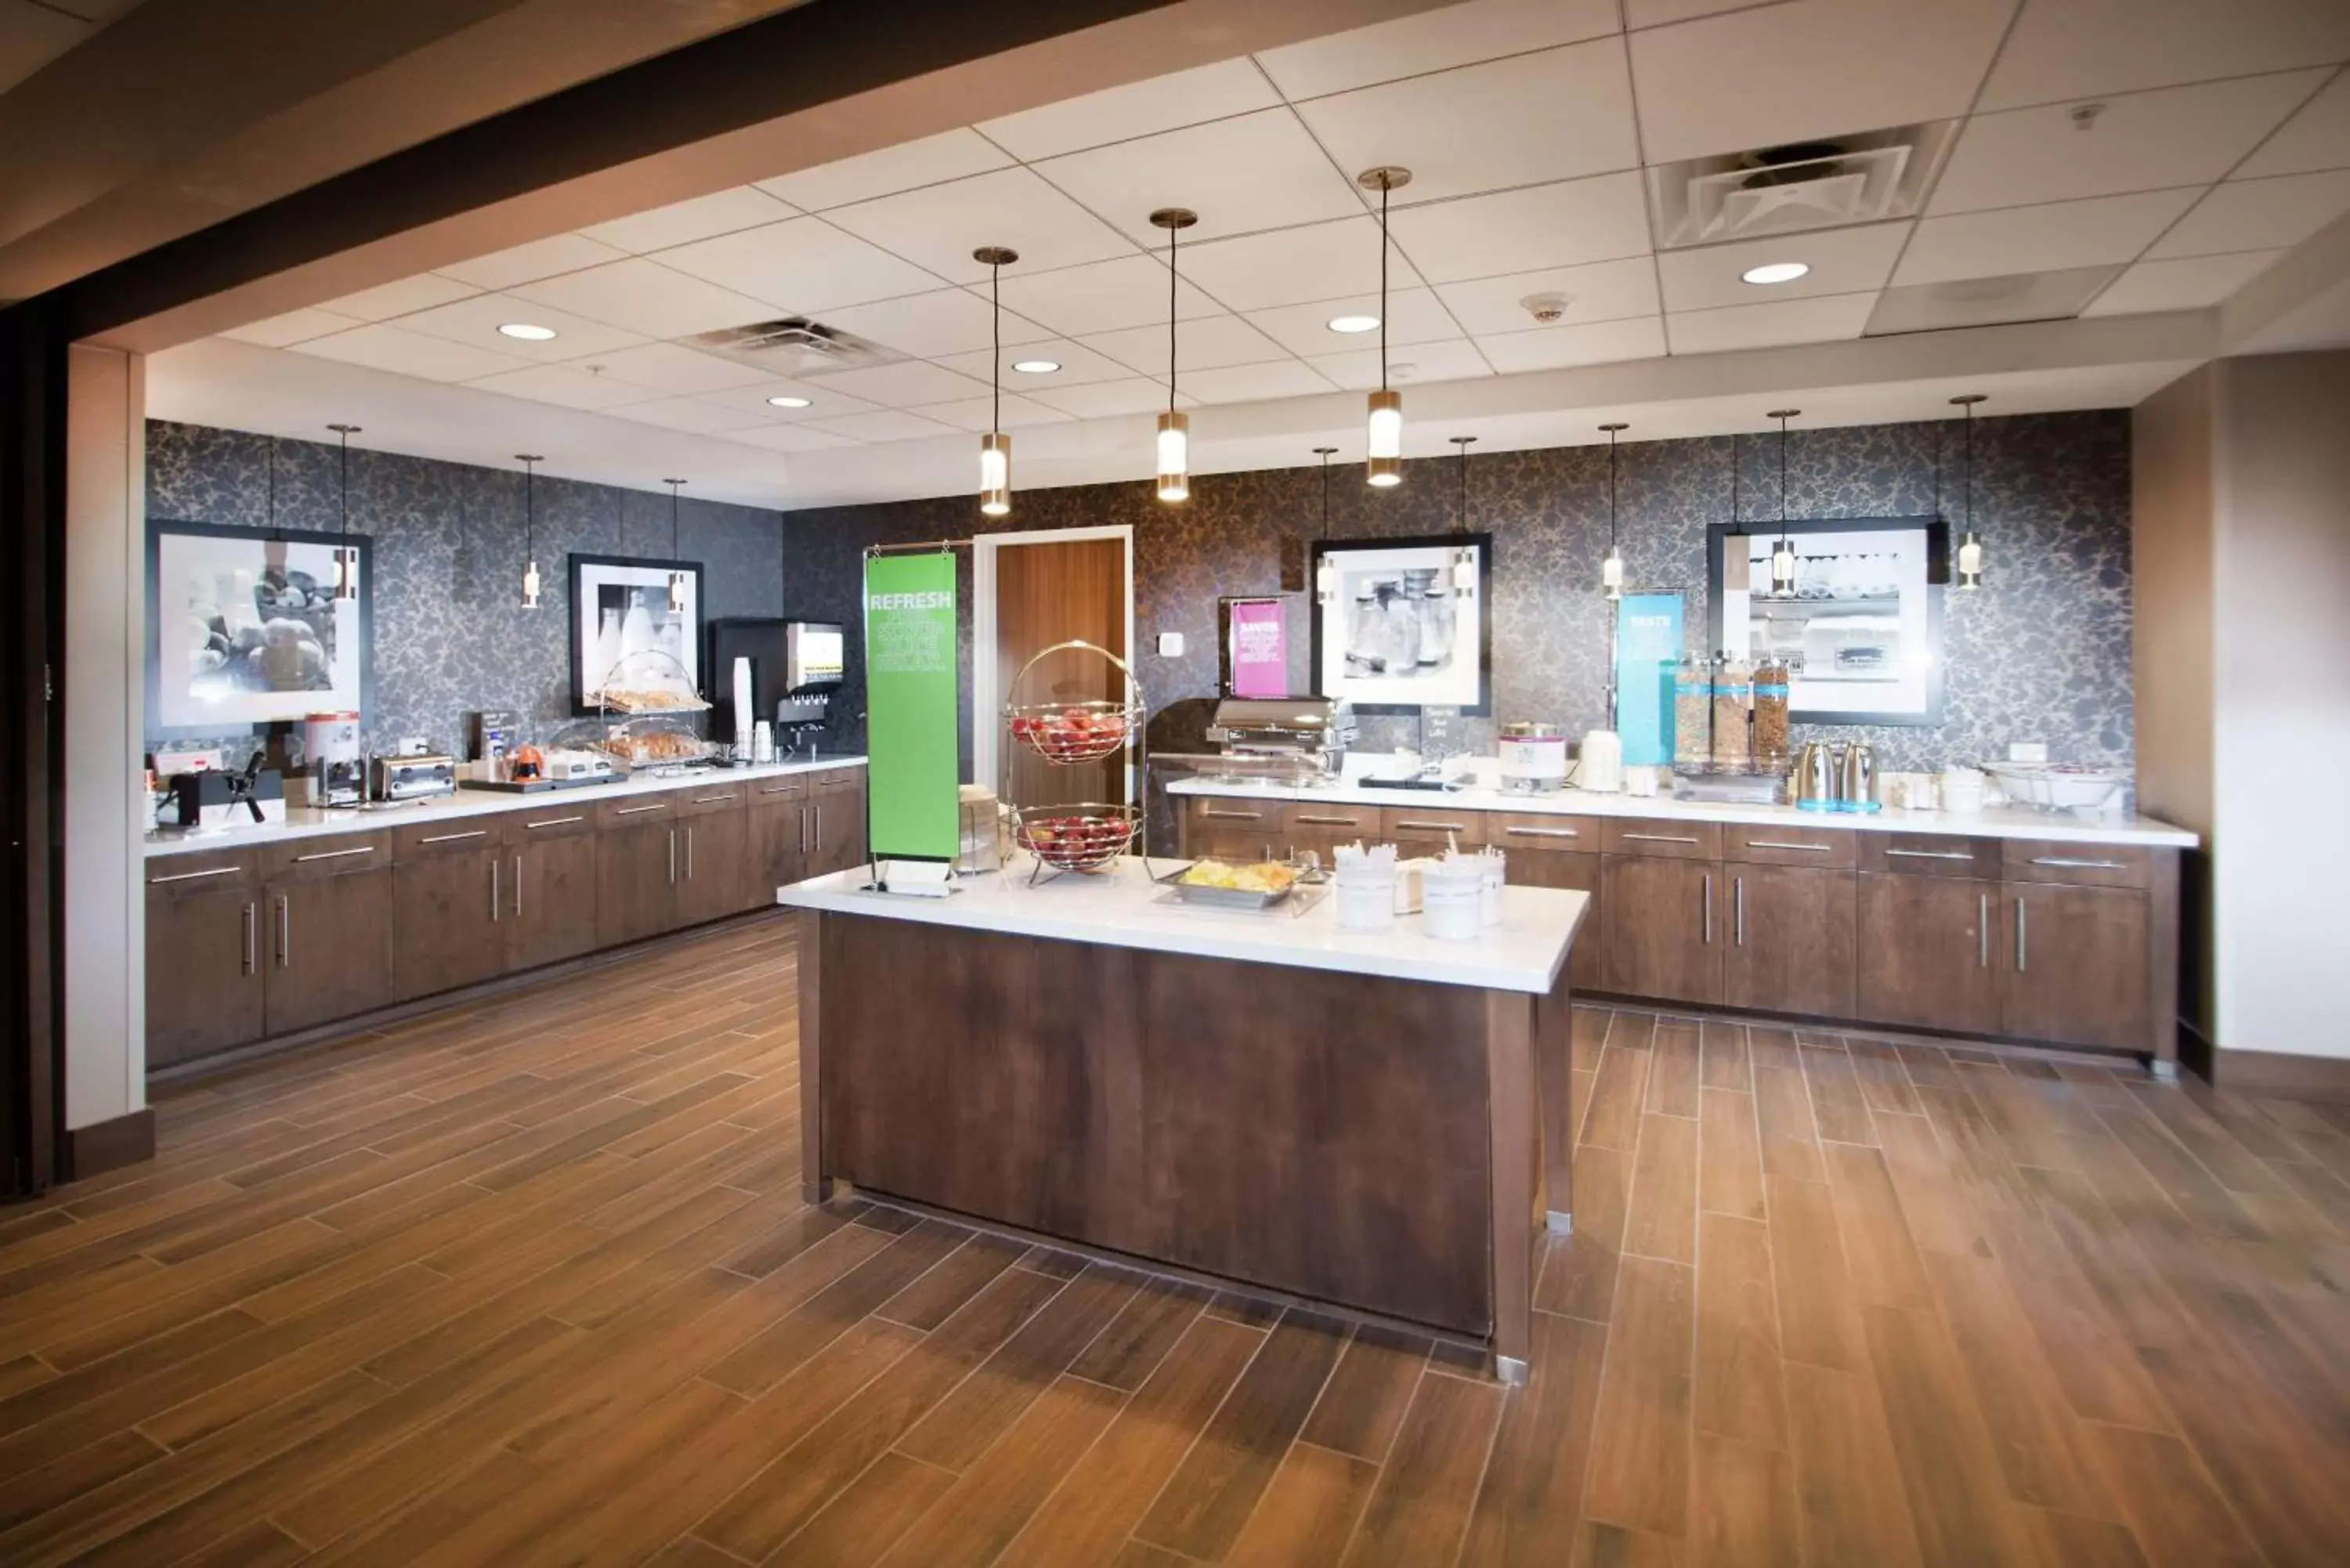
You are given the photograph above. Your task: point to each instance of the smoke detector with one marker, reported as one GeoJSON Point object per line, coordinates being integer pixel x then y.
{"type": "Point", "coordinates": [1546, 308]}
{"type": "Point", "coordinates": [1860, 178]}
{"type": "Point", "coordinates": [793, 346]}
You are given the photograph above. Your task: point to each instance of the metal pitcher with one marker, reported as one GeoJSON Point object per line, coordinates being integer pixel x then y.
{"type": "Point", "coordinates": [1857, 779]}
{"type": "Point", "coordinates": [1815, 781]}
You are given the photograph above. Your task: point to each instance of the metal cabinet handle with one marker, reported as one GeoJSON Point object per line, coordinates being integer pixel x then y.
{"type": "Point", "coordinates": [517, 886]}
{"type": "Point", "coordinates": [1781, 843]}
{"type": "Point", "coordinates": [1929, 854]}
{"type": "Point", "coordinates": [455, 838]}
{"type": "Point", "coordinates": [1738, 897]}
{"type": "Point", "coordinates": [195, 875]}
{"type": "Point", "coordinates": [639, 810]}
{"type": "Point", "coordinates": [1658, 838]}
{"type": "Point", "coordinates": [1329, 821]}
{"type": "Point", "coordinates": [284, 932]}
{"type": "Point", "coordinates": [688, 853]}
{"type": "Point", "coordinates": [711, 799]}
{"type": "Point", "coordinates": [2068, 864]}
{"type": "Point", "coordinates": [2022, 943]}
{"type": "Point", "coordinates": [672, 856]}
{"type": "Point", "coordinates": [334, 853]}
{"type": "Point", "coordinates": [1709, 908]}
{"type": "Point", "coordinates": [1543, 832]}
{"type": "Point", "coordinates": [1432, 826]}
{"type": "Point", "coordinates": [252, 938]}
{"type": "Point", "coordinates": [1222, 815]}
{"type": "Point", "coordinates": [779, 789]}
{"type": "Point", "coordinates": [497, 898]}
{"type": "Point", "coordinates": [552, 822]}
{"type": "Point", "coordinates": [1982, 931]}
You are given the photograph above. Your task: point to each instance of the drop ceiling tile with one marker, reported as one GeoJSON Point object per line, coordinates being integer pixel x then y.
{"type": "Point", "coordinates": [476, 321]}
{"type": "Point", "coordinates": [528, 264]}
{"type": "Point", "coordinates": [823, 402]}
{"type": "Point", "coordinates": [975, 414]}
{"type": "Point", "coordinates": [1454, 360]}
{"type": "Point", "coordinates": [1414, 316]}
{"type": "Point", "coordinates": [1207, 343]}
{"type": "Point", "coordinates": [1293, 266]}
{"type": "Point", "coordinates": [1987, 301]}
{"type": "Point", "coordinates": [1825, 319]}
{"type": "Point", "coordinates": [387, 300]}
{"type": "Point", "coordinates": [2317, 137]}
{"type": "Point", "coordinates": [2258, 214]}
{"type": "Point", "coordinates": [950, 155]}
{"type": "Point", "coordinates": [787, 437]}
{"type": "Point", "coordinates": [1842, 261]}
{"type": "Point", "coordinates": [802, 265]}
{"type": "Point", "coordinates": [564, 385]}
{"type": "Point", "coordinates": [1102, 296]}
{"type": "Point", "coordinates": [2071, 49]}
{"type": "Point", "coordinates": [2048, 238]}
{"type": "Point", "coordinates": [1601, 291]}
{"type": "Point", "coordinates": [1664, 13]}
{"type": "Point", "coordinates": [1255, 383]}
{"type": "Point", "coordinates": [1078, 365]}
{"type": "Point", "coordinates": [2189, 284]}
{"type": "Point", "coordinates": [939, 226]}
{"type": "Point", "coordinates": [674, 369]}
{"type": "Point", "coordinates": [1139, 108]}
{"type": "Point", "coordinates": [905, 385]}
{"type": "Point", "coordinates": [294, 326]}
{"type": "Point", "coordinates": [1257, 172]}
{"type": "Point", "coordinates": [1562, 347]}
{"type": "Point", "coordinates": [1809, 68]}
{"type": "Point", "coordinates": [1109, 400]}
{"type": "Point", "coordinates": [2137, 142]}
{"type": "Point", "coordinates": [1598, 219]}
{"type": "Point", "coordinates": [1557, 115]}
{"type": "Point", "coordinates": [682, 222]}
{"type": "Point", "coordinates": [927, 325]}
{"type": "Point", "coordinates": [384, 347]}
{"type": "Point", "coordinates": [699, 416]}
{"type": "Point", "coordinates": [1433, 41]}
{"type": "Point", "coordinates": [889, 424]}
{"type": "Point", "coordinates": [644, 297]}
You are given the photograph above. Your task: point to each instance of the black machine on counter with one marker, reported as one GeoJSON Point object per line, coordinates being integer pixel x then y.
{"type": "Point", "coordinates": [221, 798]}
{"type": "Point", "coordinates": [1303, 739]}
{"type": "Point", "coordinates": [795, 667]}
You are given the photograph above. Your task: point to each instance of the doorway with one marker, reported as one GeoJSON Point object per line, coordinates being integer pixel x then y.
{"type": "Point", "coordinates": [1030, 591]}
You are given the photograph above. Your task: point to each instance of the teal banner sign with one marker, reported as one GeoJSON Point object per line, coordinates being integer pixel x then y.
{"type": "Point", "coordinates": [912, 733]}
{"type": "Point", "coordinates": [1648, 652]}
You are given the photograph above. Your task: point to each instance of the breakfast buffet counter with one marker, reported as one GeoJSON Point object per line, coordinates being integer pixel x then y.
{"type": "Point", "coordinates": [1374, 1122]}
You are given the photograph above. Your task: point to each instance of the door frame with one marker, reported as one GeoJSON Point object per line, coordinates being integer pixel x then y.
{"type": "Point", "coordinates": [986, 681]}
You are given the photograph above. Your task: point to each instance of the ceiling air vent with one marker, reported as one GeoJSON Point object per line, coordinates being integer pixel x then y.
{"type": "Point", "coordinates": [793, 346]}
{"type": "Point", "coordinates": [1830, 184]}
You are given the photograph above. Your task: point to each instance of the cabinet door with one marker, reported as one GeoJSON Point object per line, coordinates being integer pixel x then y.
{"type": "Point", "coordinates": [1232, 830]}
{"type": "Point", "coordinates": [836, 832]}
{"type": "Point", "coordinates": [329, 941]}
{"type": "Point", "coordinates": [1664, 926]}
{"type": "Point", "coordinates": [552, 902]}
{"type": "Point", "coordinates": [1790, 941]}
{"type": "Point", "coordinates": [204, 972]}
{"type": "Point", "coordinates": [775, 858]}
{"type": "Point", "coordinates": [1578, 872]}
{"type": "Point", "coordinates": [1925, 952]}
{"type": "Point", "coordinates": [709, 872]}
{"type": "Point", "coordinates": [2077, 961]}
{"type": "Point", "coordinates": [447, 911]}
{"type": "Point", "coordinates": [635, 882]}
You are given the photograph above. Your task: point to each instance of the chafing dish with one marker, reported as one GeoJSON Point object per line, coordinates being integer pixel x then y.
{"type": "Point", "coordinates": [1303, 738]}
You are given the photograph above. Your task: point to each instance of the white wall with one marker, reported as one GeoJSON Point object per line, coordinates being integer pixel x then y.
{"type": "Point", "coordinates": [104, 690]}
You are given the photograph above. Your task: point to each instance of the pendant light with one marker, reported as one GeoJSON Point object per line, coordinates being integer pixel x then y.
{"type": "Point", "coordinates": [1970, 565]}
{"type": "Point", "coordinates": [995, 447]}
{"type": "Point", "coordinates": [347, 559]}
{"type": "Point", "coordinates": [530, 462]}
{"type": "Point", "coordinates": [1782, 553]}
{"type": "Point", "coordinates": [677, 574]}
{"type": "Point", "coordinates": [1385, 467]}
{"type": "Point", "coordinates": [1611, 564]}
{"type": "Point", "coordinates": [1174, 426]}
{"type": "Point", "coordinates": [1464, 556]}
{"type": "Point", "coordinates": [1326, 570]}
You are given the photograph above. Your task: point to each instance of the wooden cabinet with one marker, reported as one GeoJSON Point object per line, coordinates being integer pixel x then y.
{"type": "Point", "coordinates": [1320, 827]}
{"type": "Point", "coordinates": [205, 985]}
{"type": "Point", "coordinates": [776, 856]}
{"type": "Point", "coordinates": [1791, 939]}
{"type": "Point", "coordinates": [1663, 926]}
{"type": "Point", "coordinates": [329, 938]}
{"type": "Point", "coordinates": [835, 810]}
{"type": "Point", "coordinates": [448, 909]}
{"type": "Point", "coordinates": [636, 876]}
{"type": "Point", "coordinates": [1925, 954]}
{"type": "Point", "coordinates": [1423, 829]}
{"type": "Point", "coordinates": [2077, 970]}
{"type": "Point", "coordinates": [1232, 830]}
{"type": "Point", "coordinates": [553, 893]}
{"type": "Point", "coordinates": [1578, 871]}
{"type": "Point", "coordinates": [711, 872]}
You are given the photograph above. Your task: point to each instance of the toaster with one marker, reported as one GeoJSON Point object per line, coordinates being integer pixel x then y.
{"type": "Point", "coordinates": [413, 778]}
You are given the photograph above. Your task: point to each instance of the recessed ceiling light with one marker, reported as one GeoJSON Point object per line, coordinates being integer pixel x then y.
{"type": "Point", "coordinates": [1776, 272]}
{"type": "Point", "coordinates": [788, 403]}
{"type": "Point", "coordinates": [1035, 367]}
{"type": "Point", "coordinates": [528, 331]}
{"type": "Point", "coordinates": [1354, 324]}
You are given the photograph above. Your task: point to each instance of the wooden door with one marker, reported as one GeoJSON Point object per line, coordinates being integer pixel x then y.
{"type": "Point", "coordinates": [553, 901]}
{"type": "Point", "coordinates": [1664, 927]}
{"type": "Point", "coordinates": [1790, 941]}
{"type": "Point", "coordinates": [635, 882]}
{"type": "Point", "coordinates": [203, 971]}
{"type": "Point", "coordinates": [448, 912]}
{"type": "Point", "coordinates": [709, 865]}
{"type": "Point", "coordinates": [1578, 871]}
{"type": "Point", "coordinates": [1047, 592]}
{"type": "Point", "coordinates": [1924, 951]}
{"type": "Point", "coordinates": [835, 834]}
{"type": "Point", "coordinates": [2077, 965]}
{"type": "Point", "coordinates": [329, 941]}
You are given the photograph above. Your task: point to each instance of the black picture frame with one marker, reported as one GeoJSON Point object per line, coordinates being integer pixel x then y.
{"type": "Point", "coordinates": [261, 539]}
{"type": "Point", "coordinates": [656, 572]}
{"type": "Point", "coordinates": [1439, 547]}
{"type": "Point", "coordinates": [1934, 533]}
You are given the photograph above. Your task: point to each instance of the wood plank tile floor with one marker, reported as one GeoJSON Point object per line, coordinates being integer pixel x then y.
{"type": "Point", "coordinates": [528, 1282]}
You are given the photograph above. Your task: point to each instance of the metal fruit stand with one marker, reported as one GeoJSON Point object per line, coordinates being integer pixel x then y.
{"type": "Point", "coordinates": [1089, 837]}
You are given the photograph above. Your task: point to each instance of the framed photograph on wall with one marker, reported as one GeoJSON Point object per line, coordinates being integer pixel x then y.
{"type": "Point", "coordinates": [1408, 623]}
{"type": "Point", "coordinates": [243, 627]}
{"type": "Point", "coordinates": [1864, 626]}
{"type": "Point", "coordinates": [626, 640]}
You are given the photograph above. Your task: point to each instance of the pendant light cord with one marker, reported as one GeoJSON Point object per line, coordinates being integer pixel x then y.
{"type": "Point", "coordinates": [1171, 276]}
{"type": "Point", "coordinates": [273, 487]}
{"type": "Point", "coordinates": [1611, 490]}
{"type": "Point", "coordinates": [1782, 479]}
{"type": "Point", "coordinates": [529, 507]}
{"type": "Point", "coordinates": [1970, 468]}
{"type": "Point", "coordinates": [1383, 285]}
{"type": "Point", "coordinates": [345, 504]}
{"type": "Point", "coordinates": [1735, 518]}
{"type": "Point", "coordinates": [1326, 452]}
{"type": "Point", "coordinates": [673, 546]}
{"type": "Point", "coordinates": [995, 343]}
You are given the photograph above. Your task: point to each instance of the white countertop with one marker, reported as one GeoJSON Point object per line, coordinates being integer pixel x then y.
{"type": "Point", "coordinates": [1119, 909]}
{"type": "Point", "coordinates": [2005, 821]}
{"type": "Point", "coordinates": [314, 822]}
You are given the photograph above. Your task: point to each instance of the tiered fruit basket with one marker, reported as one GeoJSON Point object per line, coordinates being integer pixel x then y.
{"type": "Point", "coordinates": [1089, 837]}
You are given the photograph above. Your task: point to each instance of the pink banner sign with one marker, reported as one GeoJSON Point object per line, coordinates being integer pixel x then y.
{"type": "Point", "coordinates": [1259, 649]}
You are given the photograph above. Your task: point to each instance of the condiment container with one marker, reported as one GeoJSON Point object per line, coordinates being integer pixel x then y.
{"type": "Point", "coordinates": [1962, 790]}
{"type": "Point", "coordinates": [1733, 696]}
{"type": "Point", "coordinates": [1452, 892]}
{"type": "Point", "coordinates": [1532, 756]}
{"type": "Point", "coordinates": [1692, 712]}
{"type": "Point", "coordinates": [1773, 680]}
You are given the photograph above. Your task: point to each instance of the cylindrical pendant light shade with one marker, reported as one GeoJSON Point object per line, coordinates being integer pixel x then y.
{"type": "Point", "coordinates": [530, 585]}
{"type": "Point", "coordinates": [1970, 566]}
{"type": "Point", "coordinates": [1783, 569]}
{"type": "Point", "coordinates": [1611, 573]}
{"type": "Point", "coordinates": [994, 473]}
{"type": "Point", "coordinates": [1174, 456]}
{"type": "Point", "coordinates": [1385, 438]}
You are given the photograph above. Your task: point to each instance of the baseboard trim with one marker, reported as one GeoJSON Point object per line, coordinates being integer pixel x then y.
{"type": "Point", "coordinates": [2278, 1072]}
{"type": "Point", "coordinates": [109, 1146]}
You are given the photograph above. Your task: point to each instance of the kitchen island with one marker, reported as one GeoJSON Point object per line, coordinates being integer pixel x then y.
{"type": "Point", "coordinates": [1378, 1123]}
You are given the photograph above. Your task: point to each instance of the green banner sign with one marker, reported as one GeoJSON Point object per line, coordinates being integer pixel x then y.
{"type": "Point", "coordinates": [912, 733]}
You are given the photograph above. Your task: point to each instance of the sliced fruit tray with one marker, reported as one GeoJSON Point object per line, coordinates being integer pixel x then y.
{"type": "Point", "coordinates": [1077, 838]}
{"type": "Point", "coordinates": [1072, 731]}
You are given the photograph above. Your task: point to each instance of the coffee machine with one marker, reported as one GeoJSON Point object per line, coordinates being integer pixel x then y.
{"type": "Point", "coordinates": [332, 756]}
